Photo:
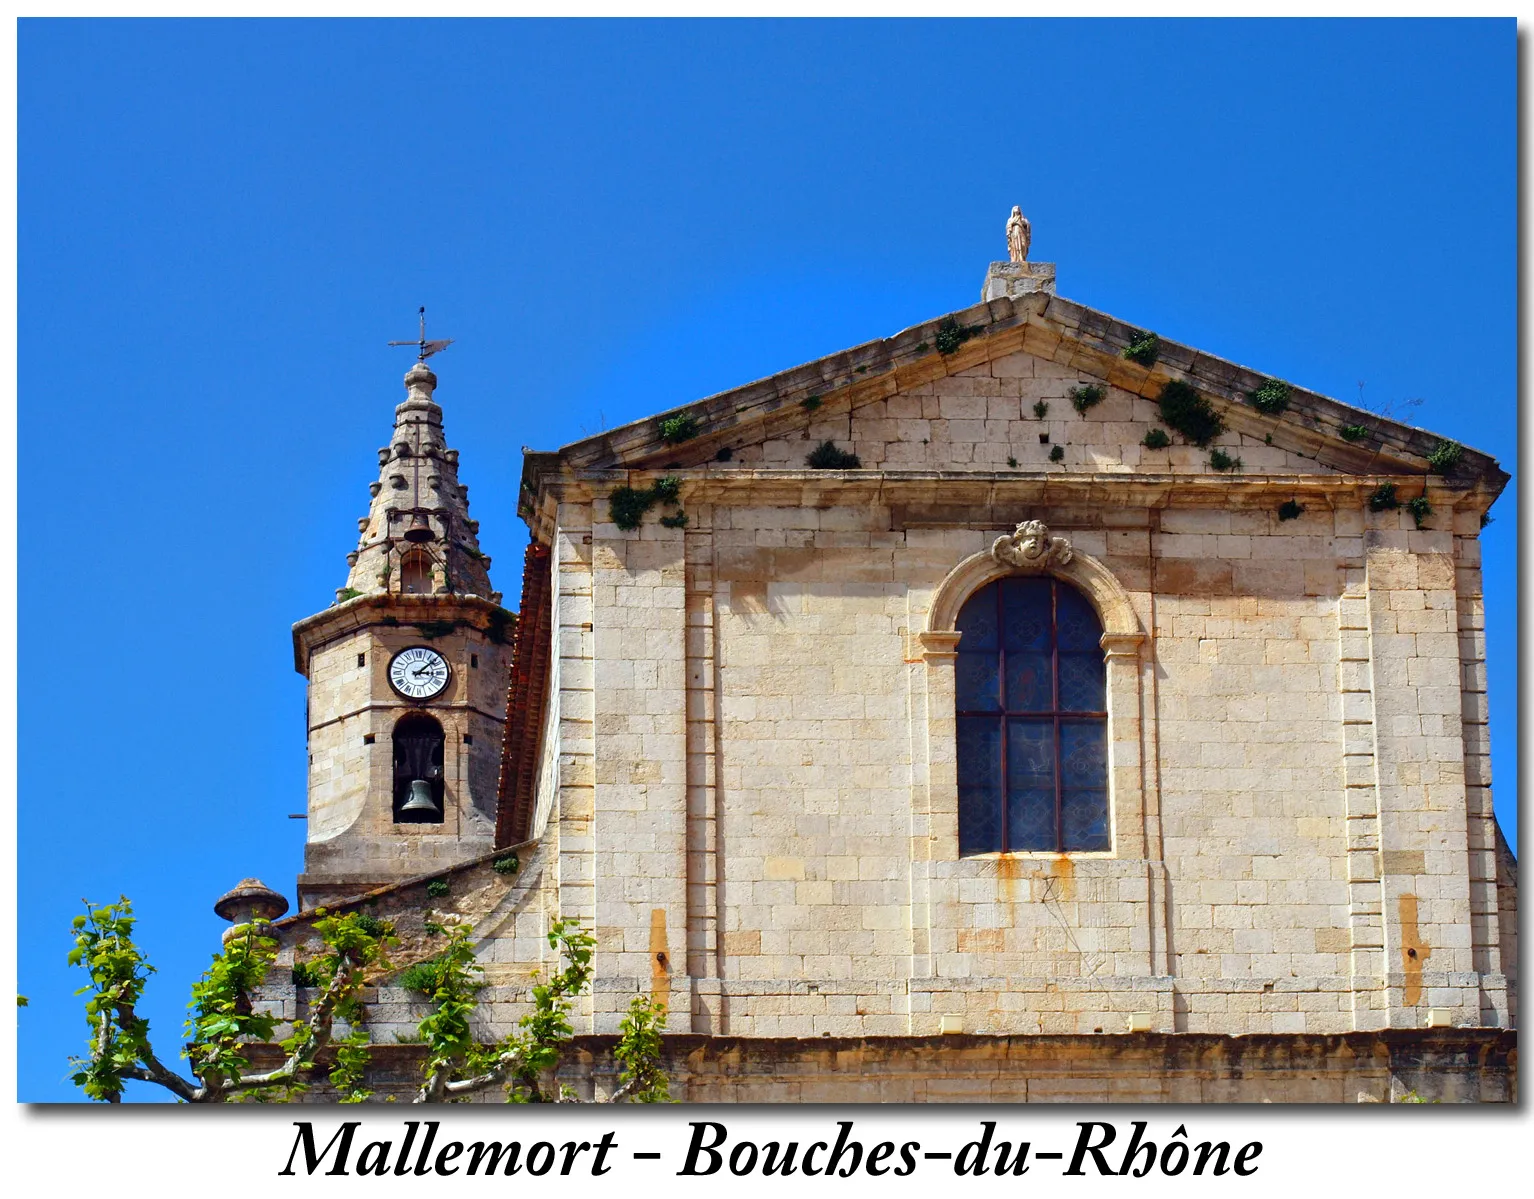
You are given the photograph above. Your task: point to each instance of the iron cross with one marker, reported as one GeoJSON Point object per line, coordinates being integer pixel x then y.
{"type": "Point", "coordinates": [427, 348]}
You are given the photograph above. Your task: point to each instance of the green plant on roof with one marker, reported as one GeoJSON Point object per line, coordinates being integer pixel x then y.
{"type": "Point", "coordinates": [922, 347]}
{"type": "Point", "coordinates": [1353, 432]}
{"type": "Point", "coordinates": [437, 888]}
{"type": "Point", "coordinates": [810, 403]}
{"type": "Point", "coordinates": [1383, 498]}
{"type": "Point", "coordinates": [1057, 453]}
{"type": "Point", "coordinates": [1222, 461]}
{"type": "Point", "coordinates": [1142, 348]}
{"type": "Point", "coordinates": [347, 593]}
{"type": "Point", "coordinates": [1445, 457]}
{"type": "Point", "coordinates": [1188, 413]}
{"type": "Point", "coordinates": [1271, 398]}
{"type": "Point", "coordinates": [626, 506]}
{"type": "Point", "coordinates": [678, 521]}
{"type": "Point", "coordinates": [1290, 510]}
{"type": "Point", "coordinates": [1156, 439]}
{"type": "Point", "coordinates": [826, 456]}
{"type": "Point", "coordinates": [1086, 396]}
{"type": "Point", "coordinates": [1041, 409]}
{"type": "Point", "coordinates": [676, 429]}
{"type": "Point", "coordinates": [1420, 509]}
{"type": "Point", "coordinates": [951, 335]}
{"type": "Point", "coordinates": [506, 864]}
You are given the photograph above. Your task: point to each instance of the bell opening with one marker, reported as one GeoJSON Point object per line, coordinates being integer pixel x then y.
{"type": "Point", "coordinates": [415, 573]}
{"type": "Point", "coordinates": [418, 784]}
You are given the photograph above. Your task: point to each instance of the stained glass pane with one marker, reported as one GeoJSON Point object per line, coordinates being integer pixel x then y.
{"type": "Point", "coordinates": [1031, 819]}
{"type": "Point", "coordinates": [1076, 621]}
{"type": "Point", "coordinates": [1029, 685]}
{"type": "Point", "coordinates": [979, 769]}
{"type": "Point", "coordinates": [1083, 687]}
{"type": "Point", "coordinates": [977, 682]}
{"type": "Point", "coordinates": [1083, 754]}
{"type": "Point", "coordinates": [1084, 817]}
{"type": "Point", "coordinates": [1030, 754]}
{"type": "Point", "coordinates": [1025, 615]}
{"type": "Point", "coordinates": [977, 621]}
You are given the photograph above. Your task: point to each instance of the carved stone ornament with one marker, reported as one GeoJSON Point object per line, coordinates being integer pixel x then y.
{"type": "Point", "coordinates": [1031, 547]}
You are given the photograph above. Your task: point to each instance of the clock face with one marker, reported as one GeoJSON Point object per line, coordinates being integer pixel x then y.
{"type": "Point", "coordinates": [418, 672]}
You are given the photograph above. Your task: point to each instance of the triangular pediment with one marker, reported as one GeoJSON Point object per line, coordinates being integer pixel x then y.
{"type": "Point", "coordinates": [1010, 397]}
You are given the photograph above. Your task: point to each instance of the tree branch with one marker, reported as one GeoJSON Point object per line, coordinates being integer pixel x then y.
{"type": "Point", "coordinates": [622, 1092]}
{"type": "Point", "coordinates": [438, 1085]}
{"type": "Point", "coordinates": [321, 1027]}
{"type": "Point", "coordinates": [151, 1069]}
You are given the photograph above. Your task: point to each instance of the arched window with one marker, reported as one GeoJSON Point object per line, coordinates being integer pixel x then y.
{"type": "Point", "coordinates": [418, 742]}
{"type": "Point", "coordinates": [1031, 707]}
{"type": "Point", "coordinates": [415, 573]}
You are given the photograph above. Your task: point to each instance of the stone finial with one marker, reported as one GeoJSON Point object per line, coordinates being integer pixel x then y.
{"type": "Point", "coordinates": [419, 378]}
{"type": "Point", "coordinates": [1019, 235]}
{"type": "Point", "coordinates": [250, 899]}
{"type": "Point", "coordinates": [1031, 547]}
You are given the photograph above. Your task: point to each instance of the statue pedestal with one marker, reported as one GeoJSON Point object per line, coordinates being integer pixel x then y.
{"type": "Point", "coordinates": [1018, 279]}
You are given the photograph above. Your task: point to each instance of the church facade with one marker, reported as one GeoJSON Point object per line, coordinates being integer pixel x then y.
{"type": "Point", "coordinates": [1019, 680]}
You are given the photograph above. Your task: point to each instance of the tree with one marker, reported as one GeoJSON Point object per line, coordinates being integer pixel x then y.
{"type": "Point", "coordinates": [224, 1023]}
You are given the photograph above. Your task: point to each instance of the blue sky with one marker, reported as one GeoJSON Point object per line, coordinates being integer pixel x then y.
{"type": "Point", "coordinates": [222, 223]}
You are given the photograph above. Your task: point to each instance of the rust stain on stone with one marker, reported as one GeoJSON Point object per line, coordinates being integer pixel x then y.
{"type": "Point", "coordinates": [1008, 871]}
{"type": "Point", "coordinates": [1064, 870]}
{"type": "Point", "coordinates": [1414, 952]}
{"type": "Point", "coordinates": [660, 964]}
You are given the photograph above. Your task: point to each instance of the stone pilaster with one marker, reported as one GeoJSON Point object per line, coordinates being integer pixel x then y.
{"type": "Point", "coordinates": [1361, 796]}
{"type": "Point", "coordinates": [704, 897]}
{"type": "Point", "coordinates": [1485, 920]}
{"type": "Point", "coordinates": [1419, 747]}
{"type": "Point", "coordinates": [640, 796]}
{"type": "Point", "coordinates": [574, 683]}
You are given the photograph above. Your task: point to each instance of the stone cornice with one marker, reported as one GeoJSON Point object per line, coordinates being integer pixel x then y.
{"type": "Point", "coordinates": [369, 611]}
{"type": "Point", "coordinates": [948, 494]}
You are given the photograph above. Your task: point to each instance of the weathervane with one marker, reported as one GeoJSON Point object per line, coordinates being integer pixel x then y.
{"type": "Point", "coordinates": [427, 348]}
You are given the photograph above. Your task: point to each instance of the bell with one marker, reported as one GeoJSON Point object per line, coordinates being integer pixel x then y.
{"type": "Point", "coordinates": [420, 798]}
{"type": "Point", "coordinates": [419, 529]}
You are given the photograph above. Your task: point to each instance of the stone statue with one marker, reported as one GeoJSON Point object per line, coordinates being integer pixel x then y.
{"type": "Point", "coordinates": [1031, 547]}
{"type": "Point", "coordinates": [1019, 235]}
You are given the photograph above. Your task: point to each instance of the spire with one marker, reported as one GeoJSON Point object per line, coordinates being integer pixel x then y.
{"type": "Point", "coordinates": [417, 537]}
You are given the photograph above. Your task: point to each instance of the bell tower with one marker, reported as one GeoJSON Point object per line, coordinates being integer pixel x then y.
{"type": "Point", "coordinates": [407, 675]}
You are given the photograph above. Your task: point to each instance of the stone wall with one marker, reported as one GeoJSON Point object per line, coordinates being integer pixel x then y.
{"type": "Point", "coordinates": [771, 756]}
{"type": "Point", "coordinates": [1391, 1066]}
